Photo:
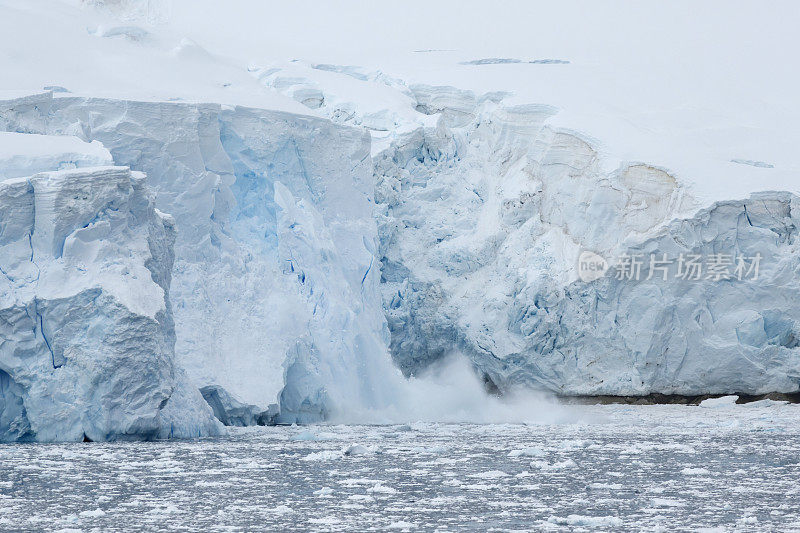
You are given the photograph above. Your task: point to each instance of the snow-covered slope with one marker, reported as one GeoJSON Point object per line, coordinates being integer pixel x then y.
{"type": "Point", "coordinates": [698, 90]}
{"type": "Point", "coordinates": [87, 345]}
{"type": "Point", "coordinates": [681, 86]}
{"type": "Point", "coordinates": [71, 46]}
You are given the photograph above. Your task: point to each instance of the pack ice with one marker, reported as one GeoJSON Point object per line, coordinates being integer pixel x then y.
{"type": "Point", "coordinates": [86, 328]}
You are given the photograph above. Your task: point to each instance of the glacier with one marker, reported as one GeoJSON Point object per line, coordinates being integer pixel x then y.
{"type": "Point", "coordinates": [484, 218]}
{"type": "Point", "coordinates": [484, 207]}
{"type": "Point", "coordinates": [687, 337]}
{"type": "Point", "coordinates": [330, 218]}
{"type": "Point", "coordinates": [303, 256]}
{"type": "Point", "coordinates": [218, 170]}
{"type": "Point", "coordinates": [87, 349]}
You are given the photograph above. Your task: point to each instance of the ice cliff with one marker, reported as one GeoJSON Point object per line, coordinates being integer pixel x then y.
{"type": "Point", "coordinates": [488, 202]}
{"type": "Point", "coordinates": [255, 271]}
{"type": "Point", "coordinates": [483, 219]}
{"type": "Point", "coordinates": [342, 357]}
{"type": "Point", "coordinates": [459, 224]}
{"type": "Point", "coordinates": [402, 219]}
{"type": "Point", "coordinates": [725, 332]}
{"type": "Point", "coordinates": [484, 208]}
{"type": "Point", "coordinates": [86, 329]}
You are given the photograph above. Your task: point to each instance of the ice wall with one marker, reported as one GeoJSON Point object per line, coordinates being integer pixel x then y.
{"type": "Point", "coordinates": [86, 330]}
{"type": "Point", "coordinates": [341, 363]}
{"type": "Point", "coordinates": [726, 332]}
{"type": "Point", "coordinates": [484, 210]}
{"type": "Point", "coordinates": [215, 169]}
{"type": "Point", "coordinates": [490, 201]}
{"type": "Point", "coordinates": [484, 218]}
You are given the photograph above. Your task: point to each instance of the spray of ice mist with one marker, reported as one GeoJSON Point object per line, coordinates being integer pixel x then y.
{"type": "Point", "coordinates": [450, 392]}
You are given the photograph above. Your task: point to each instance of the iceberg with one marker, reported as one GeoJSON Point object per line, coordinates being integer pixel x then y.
{"type": "Point", "coordinates": [232, 412]}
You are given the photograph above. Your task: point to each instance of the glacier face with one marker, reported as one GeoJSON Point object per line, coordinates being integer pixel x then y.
{"type": "Point", "coordinates": [483, 219]}
{"type": "Point", "coordinates": [238, 311]}
{"type": "Point", "coordinates": [283, 283]}
{"type": "Point", "coordinates": [690, 337]}
{"type": "Point", "coordinates": [341, 361]}
{"type": "Point", "coordinates": [484, 209]}
{"type": "Point", "coordinates": [489, 202]}
{"type": "Point", "coordinates": [87, 347]}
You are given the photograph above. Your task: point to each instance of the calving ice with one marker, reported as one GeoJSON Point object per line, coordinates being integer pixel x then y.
{"type": "Point", "coordinates": [431, 251]}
